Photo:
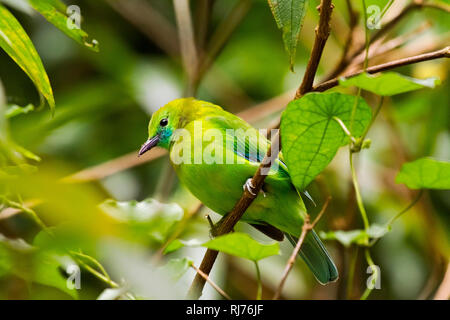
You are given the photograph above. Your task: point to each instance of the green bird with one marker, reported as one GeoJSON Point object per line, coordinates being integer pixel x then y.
{"type": "Point", "coordinates": [215, 153]}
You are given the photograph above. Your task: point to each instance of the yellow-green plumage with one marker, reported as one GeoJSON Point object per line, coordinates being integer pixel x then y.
{"type": "Point", "coordinates": [219, 185]}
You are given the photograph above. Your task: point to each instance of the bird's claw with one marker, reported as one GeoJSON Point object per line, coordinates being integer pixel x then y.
{"type": "Point", "coordinates": [248, 185]}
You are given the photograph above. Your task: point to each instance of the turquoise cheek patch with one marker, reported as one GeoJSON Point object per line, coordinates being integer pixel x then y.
{"type": "Point", "coordinates": [165, 135]}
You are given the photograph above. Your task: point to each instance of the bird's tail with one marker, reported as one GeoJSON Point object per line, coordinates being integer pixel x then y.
{"type": "Point", "coordinates": [316, 256]}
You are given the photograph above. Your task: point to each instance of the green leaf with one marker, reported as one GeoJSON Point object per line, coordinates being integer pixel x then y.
{"type": "Point", "coordinates": [377, 231]}
{"type": "Point", "coordinates": [389, 83]}
{"type": "Point", "coordinates": [311, 137]}
{"type": "Point", "coordinates": [178, 244]}
{"type": "Point", "coordinates": [289, 15]}
{"type": "Point", "coordinates": [425, 173]}
{"type": "Point", "coordinates": [178, 267]}
{"type": "Point", "coordinates": [55, 12]}
{"type": "Point", "coordinates": [17, 44]}
{"type": "Point", "coordinates": [25, 152]}
{"type": "Point", "coordinates": [32, 264]}
{"type": "Point", "coordinates": [346, 238]}
{"type": "Point", "coordinates": [157, 219]}
{"type": "Point", "coordinates": [242, 245]}
{"type": "Point", "coordinates": [358, 237]}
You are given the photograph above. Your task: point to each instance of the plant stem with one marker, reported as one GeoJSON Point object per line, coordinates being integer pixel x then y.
{"type": "Point", "coordinates": [345, 129]}
{"type": "Point", "coordinates": [258, 278]}
{"type": "Point", "coordinates": [351, 273]}
{"type": "Point", "coordinates": [359, 200]}
{"type": "Point", "coordinates": [398, 215]}
{"type": "Point", "coordinates": [93, 261]}
{"type": "Point", "coordinates": [375, 114]}
{"type": "Point", "coordinates": [375, 274]}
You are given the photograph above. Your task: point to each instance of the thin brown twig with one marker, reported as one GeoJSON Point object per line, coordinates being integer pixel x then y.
{"type": "Point", "coordinates": [380, 47]}
{"type": "Point", "coordinates": [208, 279]}
{"type": "Point", "coordinates": [188, 46]}
{"type": "Point", "coordinates": [442, 53]}
{"type": "Point", "coordinates": [257, 181]}
{"type": "Point", "coordinates": [307, 226]}
{"type": "Point", "coordinates": [322, 33]}
{"type": "Point", "coordinates": [415, 5]}
{"type": "Point", "coordinates": [353, 22]}
{"type": "Point", "coordinates": [202, 20]}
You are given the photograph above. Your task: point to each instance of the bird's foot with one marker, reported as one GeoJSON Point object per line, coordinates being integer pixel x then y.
{"type": "Point", "coordinates": [248, 185]}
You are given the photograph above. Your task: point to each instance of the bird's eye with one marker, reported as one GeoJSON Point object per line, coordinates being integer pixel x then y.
{"type": "Point", "coordinates": [163, 122]}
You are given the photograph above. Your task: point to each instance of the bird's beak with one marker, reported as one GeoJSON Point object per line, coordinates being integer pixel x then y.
{"type": "Point", "coordinates": [150, 143]}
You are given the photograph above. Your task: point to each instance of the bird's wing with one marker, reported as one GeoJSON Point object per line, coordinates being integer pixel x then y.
{"type": "Point", "coordinates": [250, 144]}
{"type": "Point", "coordinates": [247, 142]}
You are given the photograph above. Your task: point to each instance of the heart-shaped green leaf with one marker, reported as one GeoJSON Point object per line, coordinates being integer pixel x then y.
{"type": "Point", "coordinates": [310, 136]}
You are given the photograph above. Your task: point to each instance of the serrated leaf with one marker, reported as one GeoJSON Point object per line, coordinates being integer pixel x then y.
{"type": "Point", "coordinates": [176, 268]}
{"type": "Point", "coordinates": [425, 173]}
{"type": "Point", "coordinates": [289, 15]}
{"type": "Point", "coordinates": [310, 136]}
{"type": "Point", "coordinates": [389, 83]}
{"type": "Point", "coordinates": [156, 218]}
{"type": "Point", "coordinates": [17, 44]}
{"type": "Point", "coordinates": [55, 13]}
{"type": "Point", "coordinates": [242, 245]}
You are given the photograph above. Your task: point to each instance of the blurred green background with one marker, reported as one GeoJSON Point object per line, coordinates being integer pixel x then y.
{"type": "Point", "coordinates": [104, 102]}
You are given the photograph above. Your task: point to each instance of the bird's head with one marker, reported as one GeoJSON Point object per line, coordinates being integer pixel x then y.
{"type": "Point", "coordinates": [163, 124]}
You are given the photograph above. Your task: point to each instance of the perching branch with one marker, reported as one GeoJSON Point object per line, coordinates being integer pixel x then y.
{"type": "Point", "coordinates": [322, 33]}
{"type": "Point", "coordinates": [443, 53]}
{"type": "Point", "coordinates": [307, 226]}
{"type": "Point", "coordinates": [257, 181]}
